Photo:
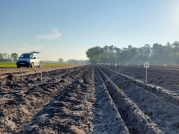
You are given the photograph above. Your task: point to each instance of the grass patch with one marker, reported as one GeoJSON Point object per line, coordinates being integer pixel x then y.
{"type": "Point", "coordinates": [7, 64]}
{"type": "Point", "coordinates": [13, 64]}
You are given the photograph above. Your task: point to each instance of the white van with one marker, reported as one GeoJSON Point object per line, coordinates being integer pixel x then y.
{"type": "Point", "coordinates": [28, 60]}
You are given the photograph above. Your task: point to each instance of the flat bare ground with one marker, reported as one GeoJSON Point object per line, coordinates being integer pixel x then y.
{"type": "Point", "coordinates": [25, 71]}
{"type": "Point", "coordinates": [89, 100]}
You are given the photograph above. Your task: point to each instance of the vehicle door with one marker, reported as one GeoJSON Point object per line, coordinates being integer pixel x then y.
{"type": "Point", "coordinates": [38, 60]}
{"type": "Point", "coordinates": [34, 60]}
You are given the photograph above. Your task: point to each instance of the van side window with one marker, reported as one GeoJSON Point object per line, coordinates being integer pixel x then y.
{"type": "Point", "coordinates": [31, 56]}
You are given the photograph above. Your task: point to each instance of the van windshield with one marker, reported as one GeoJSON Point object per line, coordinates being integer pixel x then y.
{"type": "Point", "coordinates": [26, 56]}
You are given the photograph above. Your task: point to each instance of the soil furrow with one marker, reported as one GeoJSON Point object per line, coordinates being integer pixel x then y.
{"type": "Point", "coordinates": [167, 79]}
{"type": "Point", "coordinates": [70, 112]}
{"type": "Point", "coordinates": [107, 118]}
{"type": "Point", "coordinates": [162, 113]}
{"type": "Point", "coordinates": [19, 108]}
{"type": "Point", "coordinates": [90, 99]}
{"type": "Point", "coordinates": [136, 121]}
{"type": "Point", "coordinates": [168, 96]}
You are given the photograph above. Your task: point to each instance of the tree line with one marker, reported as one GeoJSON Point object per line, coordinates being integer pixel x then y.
{"type": "Point", "coordinates": [78, 61]}
{"type": "Point", "coordinates": [156, 54]}
{"type": "Point", "coordinates": [60, 60]}
{"type": "Point", "coordinates": [73, 61]}
{"type": "Point", "coordinates": [4, 57]}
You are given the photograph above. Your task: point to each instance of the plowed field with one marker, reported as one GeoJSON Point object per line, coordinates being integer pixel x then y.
{"type": "Point", "coordinates": [91, 99]}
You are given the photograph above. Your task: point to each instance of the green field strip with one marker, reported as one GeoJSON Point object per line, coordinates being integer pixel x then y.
{"type": "Point", "coordinates": [10, 64]}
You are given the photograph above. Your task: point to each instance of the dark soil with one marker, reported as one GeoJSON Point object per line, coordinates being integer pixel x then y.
{"type": "Point", "coordinates": [89, 100]}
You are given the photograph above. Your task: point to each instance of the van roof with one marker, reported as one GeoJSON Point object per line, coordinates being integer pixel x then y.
{"type": "Point", "coordinates": [28, 53]}
{"type": "Point", "coordinates": [35, 52]}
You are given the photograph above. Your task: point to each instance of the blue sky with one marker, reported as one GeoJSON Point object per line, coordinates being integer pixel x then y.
{"type": "Point", "coordinates": [68, 28]}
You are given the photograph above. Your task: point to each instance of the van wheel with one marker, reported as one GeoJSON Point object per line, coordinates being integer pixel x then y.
{"type": "Point", "coordinates": [32, 65]}
{"type": "Point", "coordinates": [18, 66]}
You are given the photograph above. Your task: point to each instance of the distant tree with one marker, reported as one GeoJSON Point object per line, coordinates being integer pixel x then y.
{"type": "Point", "coordinates": [14, 56]}
{"type": "Point", "coordinates": [9, 58]}
{"type": "Point", "coordinates": [1, 56]}
{"type": "Point", "coordinates": [60, 60]}
{"type": "Point", "coordinates": [168, 44]}
{"type": "Point", "coordinates": [111, 49]}
{"type": "Point", "coordinates": [176, 44]}
{"type": "Point", "coordinates": [111, 53]}
{"type": "Point", "coordinates": [5, 55]}
{"type": "Point", "coordinates": [175, 51]}
{"type": "Point", "coordinates": [146, 50]}
{"type": "Point", "coordinates": [118, 50]}
{"type": "Point", "coordinates": [93, 54]}
{"type": "Point", "coordinates": [105, 48]}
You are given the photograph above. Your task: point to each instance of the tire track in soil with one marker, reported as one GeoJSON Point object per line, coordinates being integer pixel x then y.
{"type": "Point", "coordinates": [162, 113]}
{"type": "Point", "coordinates": [21, 106]}
{"type": "Point", "coordinates": [136, 121]}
